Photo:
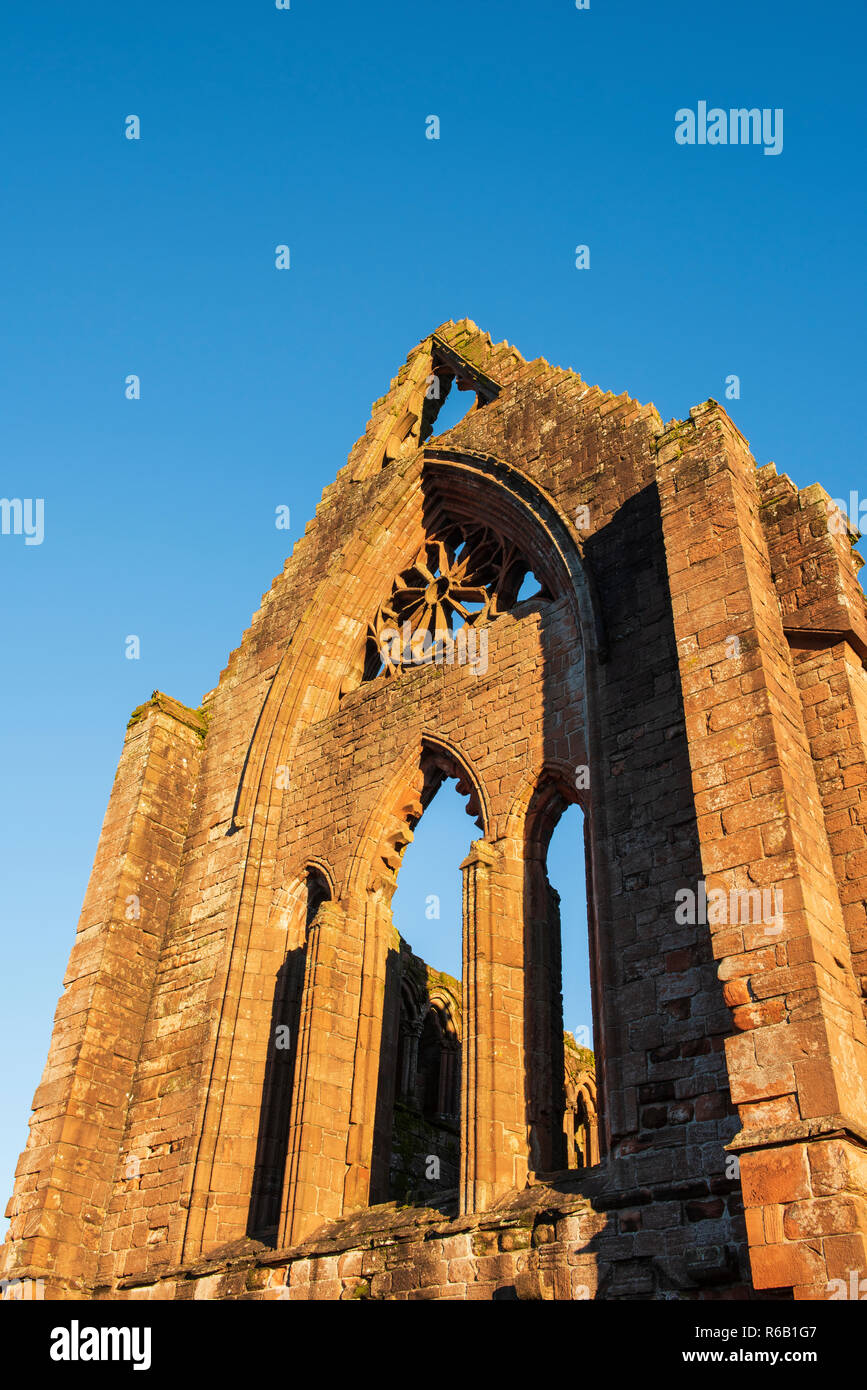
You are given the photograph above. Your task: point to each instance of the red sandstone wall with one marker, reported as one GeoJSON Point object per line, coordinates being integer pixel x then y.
{"type": "Point", "coordinates": [704, 764]}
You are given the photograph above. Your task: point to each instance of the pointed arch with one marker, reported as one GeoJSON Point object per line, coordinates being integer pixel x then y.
{"type": "Point", "coordinates": [306, 687]}
{"type": "Point", "coordinates": [389, 827]}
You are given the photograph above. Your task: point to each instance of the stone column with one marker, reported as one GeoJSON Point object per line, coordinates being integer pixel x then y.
{"type": "Point", "coordinates": [569, 1126]}
{"type": "Point", "coordinates": [592, 1156]}
{"type": "Point", "coordinates": [544, 1021]}
{"type": "Point", "coordinates": [411, 1035]}
{"type": "Point", "coordinates": [319, 1125]}
{"type": "Point", "coordinates": [444, 1081]}
{"type": "Point", "coordinates": [493, 1124]}
{"type": "Point", "coordinates": [373, 1077]}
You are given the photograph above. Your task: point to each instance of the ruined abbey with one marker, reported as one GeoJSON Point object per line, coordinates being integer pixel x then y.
{"type": "Point", "coordinates": [256, 1090]}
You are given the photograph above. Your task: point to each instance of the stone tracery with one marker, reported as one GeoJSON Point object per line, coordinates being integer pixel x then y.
{"type": "Point", "coordinates": [467, 576]}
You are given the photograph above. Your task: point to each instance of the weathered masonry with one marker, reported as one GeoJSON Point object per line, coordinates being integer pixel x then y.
{"type": "Point", "coordinates": [241, 1023]}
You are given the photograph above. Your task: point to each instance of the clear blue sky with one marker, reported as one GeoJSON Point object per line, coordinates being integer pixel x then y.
{"type": "Point", "coordinates": [307, 127]}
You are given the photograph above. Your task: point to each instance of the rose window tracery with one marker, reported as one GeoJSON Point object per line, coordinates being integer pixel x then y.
{"type": "Point", "coordinates": [461, 580]}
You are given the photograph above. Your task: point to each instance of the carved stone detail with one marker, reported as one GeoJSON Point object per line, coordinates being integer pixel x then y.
{"type": "Point", "coordinates": [469, 575]}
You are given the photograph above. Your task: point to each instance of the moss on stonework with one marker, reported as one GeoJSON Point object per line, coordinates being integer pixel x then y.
{"type": "Point", "coordinates": [196, 719]}
{"type": "Point", "coordinates": [582, 1056]}
{"type": "Point", "coordinates": [414, 1140]}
